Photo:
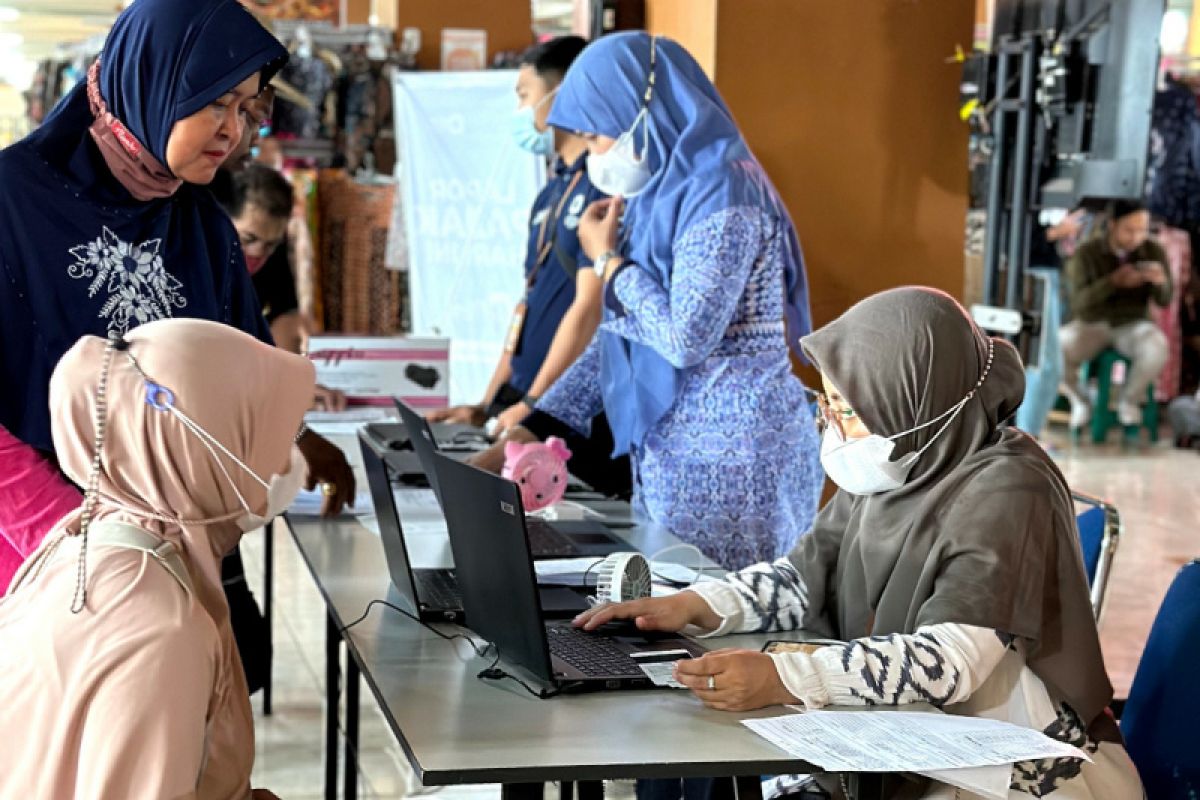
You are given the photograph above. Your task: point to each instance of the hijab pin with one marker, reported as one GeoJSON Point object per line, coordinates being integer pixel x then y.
{"type": "Point", "coordinates": [159, 397]}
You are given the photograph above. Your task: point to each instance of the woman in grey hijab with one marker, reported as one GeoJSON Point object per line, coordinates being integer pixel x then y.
{"type": "Point", "coordinates": [947, 562]}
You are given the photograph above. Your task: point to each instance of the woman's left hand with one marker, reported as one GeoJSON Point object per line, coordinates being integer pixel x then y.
{"type": "Point", "coordinates": [598, 227]}
{"type": "Point", "coordinates": [742, 680]}
{"type": "Point", "coordinates": [511, 417]}
{"type": "Point", "coordinates": [327, 466]}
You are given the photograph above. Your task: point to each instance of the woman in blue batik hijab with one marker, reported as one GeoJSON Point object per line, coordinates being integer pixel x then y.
{"type": "Point", "coordinates": [105, 223]}
{"type": "Point", "coordinates": [705, 288]}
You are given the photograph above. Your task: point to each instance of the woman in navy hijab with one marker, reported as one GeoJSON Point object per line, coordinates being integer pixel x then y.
{"type": "Point", "coordinates": [105, 223]}
{"type": "Point", "coordinates": [705, 289]}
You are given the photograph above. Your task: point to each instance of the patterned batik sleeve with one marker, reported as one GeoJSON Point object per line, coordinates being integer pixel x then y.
{"type": "Point", "coordinates": [575, 398]}
{"type": "Point", "coordinates": [938, 664]}
{"type": "Point", "coordinates": [686, 320]}
{"type": "Point", "coordinates": [764, 597]}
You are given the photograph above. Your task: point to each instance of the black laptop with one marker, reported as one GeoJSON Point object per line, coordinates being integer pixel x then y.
{"type": "Point", "coordinates": [433, 593]}
{"type": "Point", "coordinates": [558, 539]}
{"type": "Point", "coordinates": [499, 586]}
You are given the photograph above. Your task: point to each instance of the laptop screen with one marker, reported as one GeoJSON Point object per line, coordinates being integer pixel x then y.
{"type": "Point", "coordinates": [420, 434]}
{"type": "Point", "coordinates": [389, 522]}
{"type": "Point", "coordinates": [495, 569]}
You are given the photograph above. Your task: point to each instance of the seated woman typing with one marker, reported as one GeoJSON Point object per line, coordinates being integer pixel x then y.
{"type": "Point", "coordinates": [947, 562]}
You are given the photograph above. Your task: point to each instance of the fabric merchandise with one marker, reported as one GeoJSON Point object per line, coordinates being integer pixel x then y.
{"type": "Point", "coordinates": [364, 114]}
{"type": "Point", "coordinates": [1178, 248]}
{"type": "Point", "coordinates": [983, 532]}
{"type": "Point", "coordinates": [302, 231]}
{"type": "Point", "coordinates": [1173, 168]}
{"type": "Point", "coordinates": [148, 698]}
{"type": "Point", "coordinates": [33, 497]}
{"type": "Point", "coordinates": [961, 669]}
{"type": "Point", "coordinates": [701, 168]}
{"type": "Point", "coordinates": [313, 78]}
{"type": "Point", "coordinates": [733, 465]}
{"type": "Point", "coordinates": [359, 294]}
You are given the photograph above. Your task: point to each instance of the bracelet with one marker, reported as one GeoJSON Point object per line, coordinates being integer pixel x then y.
{"type": "Point", "coordinates": [300, 433]}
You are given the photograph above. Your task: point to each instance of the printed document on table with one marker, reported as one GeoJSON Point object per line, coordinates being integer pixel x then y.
{"type": "Point", "coordinates": [899, 741]}
{"type": "Point", "coordinates": [991, 782]}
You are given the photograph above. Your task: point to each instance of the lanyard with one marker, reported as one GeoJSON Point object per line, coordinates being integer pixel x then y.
{"type": "Point", "coordinates": [544, 247]}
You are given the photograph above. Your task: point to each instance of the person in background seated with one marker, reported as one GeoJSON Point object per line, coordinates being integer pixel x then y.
{"type": "Point", "coordinates": [1184, 413]}
{"type": "Point", "coordinates": [947, 562]}
{"type": "Point", "coordinates": [558, 315]}
{"type": "Point", "coordinates": [1112, 278]}
{"type": "Point", "coordinates": [119, 668]}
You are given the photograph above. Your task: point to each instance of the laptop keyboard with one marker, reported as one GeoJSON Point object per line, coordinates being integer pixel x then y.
{"type": "Point", "coordinates": [593, 655]}
{"type": "Point", "coordinates": [439, 590]}
{"type": "Point", "coordinates": [544, 540]}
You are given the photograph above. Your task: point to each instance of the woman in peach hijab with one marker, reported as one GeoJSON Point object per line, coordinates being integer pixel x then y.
{"type": "Point", "coordinates": [121, 676]}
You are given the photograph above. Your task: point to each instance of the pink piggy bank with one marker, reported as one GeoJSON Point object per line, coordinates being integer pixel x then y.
{"type": "Point", "coordinates": [540, 469]}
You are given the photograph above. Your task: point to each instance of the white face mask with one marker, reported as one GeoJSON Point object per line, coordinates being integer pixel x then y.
{"type": "Point", "coordinates": [864, 466]}
{"type": "Point", "coordinates": [281, 492]}
{"type": "Point", "coordinates": [621, 171]}
{"type": "Point", "coordinates": [281, 489]}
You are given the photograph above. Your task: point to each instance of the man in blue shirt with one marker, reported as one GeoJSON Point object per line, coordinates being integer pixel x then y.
{"type": "Point", "coordinates": [561, 306]}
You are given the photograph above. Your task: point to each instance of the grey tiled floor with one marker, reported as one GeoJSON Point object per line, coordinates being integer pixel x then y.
{"type": "Point", "coordinates": [1156, 488]}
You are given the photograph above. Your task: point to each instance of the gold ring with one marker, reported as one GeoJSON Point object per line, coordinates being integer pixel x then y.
{"type": "Point", "coordinates": [712, 683]}
{"type": "Point", "coordinates": [328, 489]}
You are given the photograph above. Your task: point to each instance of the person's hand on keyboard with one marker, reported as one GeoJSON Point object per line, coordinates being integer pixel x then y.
{"type": "Point", "coordinates": [670, 614]}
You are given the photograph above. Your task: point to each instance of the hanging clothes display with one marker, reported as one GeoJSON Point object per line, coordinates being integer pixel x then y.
{"type": "Point", "coordinates": [1173, 168]}
{"type": "Point", "coordinates": [314, 78]}
{"type": "Point", "coordinates": [1178, 246]}
{"type": "Point", "coordinates": [359, 294]}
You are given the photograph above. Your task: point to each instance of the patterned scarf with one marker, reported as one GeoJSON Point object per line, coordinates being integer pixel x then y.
{"type": "Point", "coordinates": [138, 171]}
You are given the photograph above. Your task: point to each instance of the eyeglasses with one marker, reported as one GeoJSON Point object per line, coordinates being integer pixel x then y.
{"type": "Point", "coordinates": [830, 414]}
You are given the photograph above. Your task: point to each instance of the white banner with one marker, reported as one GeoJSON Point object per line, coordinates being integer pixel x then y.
{"type": "Point", "coordinates": [466, 191]}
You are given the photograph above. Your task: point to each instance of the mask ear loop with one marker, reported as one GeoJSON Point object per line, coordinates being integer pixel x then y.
{"type": "Point", "coordinates": [987, 368]}
{"type": "Point", "coordinates": [92, 493]}
{"type": "Point", "coordinates": [161, 398]}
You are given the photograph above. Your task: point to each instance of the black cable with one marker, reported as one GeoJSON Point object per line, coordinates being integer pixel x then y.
{"type": "Point", "coordinates": [449, 637]}
{"type": "Point", "coordinates": [490, 673]}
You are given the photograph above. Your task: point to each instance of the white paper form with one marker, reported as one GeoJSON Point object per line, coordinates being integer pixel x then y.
{"type": "Point", "coordinates": [991, 782]}
{"type": "Point", "coordinates": [898, 741]}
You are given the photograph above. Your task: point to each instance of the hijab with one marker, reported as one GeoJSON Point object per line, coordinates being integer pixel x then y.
{"type": "Point", "coordinates": [701, 166]}
{"type": "Point", "coordinates": [982, 533]}
{"type": "Point", "coordinates": [152, 472]}
{"type": "Point", "coordinates": [79, 253]}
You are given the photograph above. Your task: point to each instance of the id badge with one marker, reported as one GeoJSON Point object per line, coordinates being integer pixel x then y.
{"type": "Point", "coordinates": [514, 328]}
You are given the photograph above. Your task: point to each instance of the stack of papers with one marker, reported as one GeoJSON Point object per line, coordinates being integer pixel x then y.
{"type": "Point", "coordinates": [966, 751]}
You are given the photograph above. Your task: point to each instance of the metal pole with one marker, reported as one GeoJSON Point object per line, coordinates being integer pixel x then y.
{"type": "Point", "coordinates": [1019, 210]}
{"type": "Point", "coordinates": [996, 180]}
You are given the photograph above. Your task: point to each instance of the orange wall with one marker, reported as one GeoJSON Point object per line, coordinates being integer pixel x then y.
{"type": "Point", "coordinates": [509, 23]}
{"type": "Point", "coordinates": [692, 23]}
{"type": "Point", "coordinates": [852, 109]}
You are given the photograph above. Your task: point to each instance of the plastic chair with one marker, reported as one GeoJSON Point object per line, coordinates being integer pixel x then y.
{"type": "Point", "coordinates": [1164, 701]}
{"type": "Point", "coordinates": [1103, 417]}
{"type": "Point", "coordinates": [1099, 534]}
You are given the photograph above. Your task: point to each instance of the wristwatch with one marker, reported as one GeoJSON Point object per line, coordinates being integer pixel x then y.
{"type": "Point", "coordinates": [601, 265]}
